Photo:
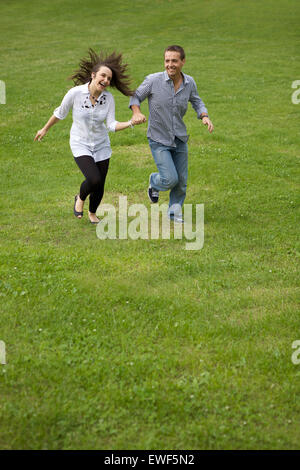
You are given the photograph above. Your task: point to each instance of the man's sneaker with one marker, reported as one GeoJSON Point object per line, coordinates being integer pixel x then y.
{"type": "Point", "coordinates": [153, 194]}
{"type": "Point", "coordinates": [176, 218]}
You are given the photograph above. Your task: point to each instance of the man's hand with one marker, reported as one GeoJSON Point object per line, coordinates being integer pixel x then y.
{"type": "Point", "coordinates": [207, 122]}
{"type": "Point", "coordinates": [138, 118]}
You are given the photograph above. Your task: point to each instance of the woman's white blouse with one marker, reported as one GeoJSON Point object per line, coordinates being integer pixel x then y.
{"type": "Point", "coordinates": [89, 134]}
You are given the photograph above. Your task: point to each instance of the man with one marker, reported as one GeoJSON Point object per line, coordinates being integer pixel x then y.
{"type": "Point", "coordinates": [168, 95]}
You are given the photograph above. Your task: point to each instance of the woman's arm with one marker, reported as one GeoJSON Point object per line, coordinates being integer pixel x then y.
{"type": "Point", "coordinates": [123, 125]}
{"type": "Point", "coordinates": [111, 122]}
{"type": "Point", "coordinates": [59, 113]}
{"type": "Point", "coordinates": [42, 132]}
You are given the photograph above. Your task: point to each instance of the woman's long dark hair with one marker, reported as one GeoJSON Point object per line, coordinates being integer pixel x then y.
{"type": "Point", "coordinates": [88, 65]}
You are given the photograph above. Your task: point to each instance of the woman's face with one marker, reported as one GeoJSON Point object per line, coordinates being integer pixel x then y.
{"type": "Point", "coordinates": [102, 78]}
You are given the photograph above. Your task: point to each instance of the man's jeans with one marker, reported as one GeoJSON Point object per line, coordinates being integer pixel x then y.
{"type": "Point", "coordinates": [172, 165]}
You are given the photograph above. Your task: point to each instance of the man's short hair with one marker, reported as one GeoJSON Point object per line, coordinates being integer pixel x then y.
{"type": "Point", "coordinates": [176, 49]}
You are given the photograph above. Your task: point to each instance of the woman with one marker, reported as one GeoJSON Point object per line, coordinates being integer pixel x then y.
{"type": "Point", "coordinates": [92, 104]}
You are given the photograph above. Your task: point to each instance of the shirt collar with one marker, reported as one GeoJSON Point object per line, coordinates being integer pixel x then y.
{"type": "Point", "coordinates": [166, 76]}
{"type": "Point", "coordinates": [85, 89]}
{"type": "Point", "coordinates": [185, 78]}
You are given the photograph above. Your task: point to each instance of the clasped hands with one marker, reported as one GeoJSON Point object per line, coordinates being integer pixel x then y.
{"type": "Point", "coordinates": [138, 118]}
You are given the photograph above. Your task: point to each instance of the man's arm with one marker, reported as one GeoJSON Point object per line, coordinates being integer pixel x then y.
{"type": "Point", "coordinates": [200, 108]}
{"type": "Point", "coordinates": [141, 93]}
{"type": "Point", "coordinates": [137, 116]}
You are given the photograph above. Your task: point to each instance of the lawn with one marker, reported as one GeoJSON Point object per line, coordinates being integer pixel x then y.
{"type": "Point", "coordinates": [142, 344]}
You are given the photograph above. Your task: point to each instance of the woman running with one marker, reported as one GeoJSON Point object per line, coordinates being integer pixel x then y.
{"type": "Point", "coordinates": [92, 106]}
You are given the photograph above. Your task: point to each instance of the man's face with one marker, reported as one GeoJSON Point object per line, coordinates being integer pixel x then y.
{"type": "Point", "coordinates": [173, 63]}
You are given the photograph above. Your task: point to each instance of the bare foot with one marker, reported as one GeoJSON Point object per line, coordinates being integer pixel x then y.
{"type": "Point", "coordinates": [93, 218]}
{"type": "Point", "coordinates": [79, 206]}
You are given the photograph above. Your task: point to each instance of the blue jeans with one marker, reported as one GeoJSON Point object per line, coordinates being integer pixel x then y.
{"type": "Point", "coordinates": [172, 165]}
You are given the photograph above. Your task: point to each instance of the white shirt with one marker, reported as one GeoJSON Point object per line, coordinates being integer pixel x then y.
{"type": "Point", "coordinates": [89, 135]}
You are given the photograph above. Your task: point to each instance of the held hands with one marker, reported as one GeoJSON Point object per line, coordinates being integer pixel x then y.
{"type": "Point", "coordinates": [207, 122]}
{"type": "Point", "coordinates": [138, 118]}
{"type": "Point", "coordinates": [40, 134]}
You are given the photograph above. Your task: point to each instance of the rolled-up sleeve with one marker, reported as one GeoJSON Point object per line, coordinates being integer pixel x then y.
{"type": "Point", "coordinates": [196, 101]}
{"type": "Point", "coordinates": [62, 111]}
{"type": "Point", "coordinates": [110, 118]}
{"type": "Point", "coordinates": [142, 92]}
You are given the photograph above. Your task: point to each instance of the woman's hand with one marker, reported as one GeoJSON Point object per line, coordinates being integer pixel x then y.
{"type": "Point", "coordinates": [125, 125]}
{"type": "Point", "coordinates": [40, 134]}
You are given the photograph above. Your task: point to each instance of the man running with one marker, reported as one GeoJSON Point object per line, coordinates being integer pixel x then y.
{"type": "Point", "coordinates": [168, 95]}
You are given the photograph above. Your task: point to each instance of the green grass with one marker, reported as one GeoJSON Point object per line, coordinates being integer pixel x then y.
{"type": "Point", "coordinates": [122, 344]}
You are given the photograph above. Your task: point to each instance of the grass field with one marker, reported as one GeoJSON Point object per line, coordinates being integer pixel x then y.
{"type": "Point", "coordinates": [123, 344]}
